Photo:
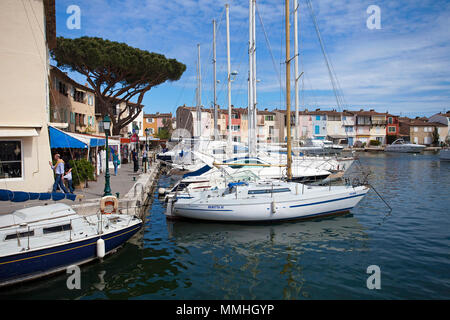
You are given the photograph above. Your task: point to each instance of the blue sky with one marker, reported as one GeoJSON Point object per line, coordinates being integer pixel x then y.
{"type": "Point", "coordinates": [403, 68]}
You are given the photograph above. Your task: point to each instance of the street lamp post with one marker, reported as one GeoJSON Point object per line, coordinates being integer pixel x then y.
{"type": "Point", "coordinates": [146, 147]}
{"type": "Point", "coordinates": [106, 126]}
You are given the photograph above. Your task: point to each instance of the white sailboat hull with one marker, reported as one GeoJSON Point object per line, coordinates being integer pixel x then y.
{"type": "Point", "coordinates": [271, 208]}
{"type": "Point", "coordinates": [444, 154]}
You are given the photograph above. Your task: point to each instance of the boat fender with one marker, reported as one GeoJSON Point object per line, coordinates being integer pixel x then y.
{"type": "Point", "coordinates": [273, 208]}
{"type": "Point", "coordinates": [162, 191]}
{"type": "Point", "coordinates": [109, 204]}
{"type": "Point", "coordinates": [169, 208]}
{"type": "Point", "coordinates": [100, 248]}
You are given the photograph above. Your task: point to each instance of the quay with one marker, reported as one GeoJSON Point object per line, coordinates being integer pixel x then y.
{"type": "Point", "coordinates": [133, 190]}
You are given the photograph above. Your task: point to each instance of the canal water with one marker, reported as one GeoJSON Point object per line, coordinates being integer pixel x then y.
{"type": "Point", "coordinates": [318, 259]}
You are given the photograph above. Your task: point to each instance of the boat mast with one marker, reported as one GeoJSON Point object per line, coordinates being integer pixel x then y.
{"type": "Point", "coordinates": [251, 141]}
{"type": "Point", "coordinates": [255, 117]}
{"type": "Point", "coordinates": [296, 127]}
{"type": "Point", "coordinates": [216, 131]}
{"type": "Point", "coordinates": [229, 74]}
{"type": "Point", "coordinates": [288, 94]}
{"type": "Point", "coordinates": [199, 95]}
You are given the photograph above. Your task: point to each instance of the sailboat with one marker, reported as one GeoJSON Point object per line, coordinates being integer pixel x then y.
{"type": "Point", "coordinates": [267, 199]}
{"type": "Point", "coordinates": [37, 241]}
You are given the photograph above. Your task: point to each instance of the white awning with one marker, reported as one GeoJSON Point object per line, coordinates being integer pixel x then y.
{"type": "Point", "coordinates": [18, 132]}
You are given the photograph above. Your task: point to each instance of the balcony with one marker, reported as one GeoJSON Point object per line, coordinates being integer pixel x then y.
{"type": "Point", "coordinates": [379, 122]}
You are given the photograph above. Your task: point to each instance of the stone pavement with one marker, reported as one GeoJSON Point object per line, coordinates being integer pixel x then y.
{"type": "Point", "coordinates": [130, 185]}
{"type": "Point", "coordinates": [121, 183]}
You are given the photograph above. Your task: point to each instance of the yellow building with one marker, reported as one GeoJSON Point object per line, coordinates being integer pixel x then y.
{"type": "Point", "coordinates": [27, 33]}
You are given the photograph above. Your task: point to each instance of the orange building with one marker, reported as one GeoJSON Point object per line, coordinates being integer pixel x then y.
{"type": "Point", "coordinates": [154, 122]}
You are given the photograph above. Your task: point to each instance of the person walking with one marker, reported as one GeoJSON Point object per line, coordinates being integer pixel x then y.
{"type": "Point", "coordinates": [144, 160]}
{"type": "Point", "coordinates": [135, 161]}
{"type": "Point", "coordinates": [116, 162]}
{"type": "Point", "coordinates": [59, 173]}
{"type": "Point", "coordinates": [68, 177]}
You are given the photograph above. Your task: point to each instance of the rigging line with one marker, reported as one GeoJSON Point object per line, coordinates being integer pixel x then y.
{"type": "Point", "coordinates": [322, 47]}
{"type": "Point", "coordinates": [268, 45]}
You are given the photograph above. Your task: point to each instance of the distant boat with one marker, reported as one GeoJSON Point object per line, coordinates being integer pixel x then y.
{"type": "Point", "coordinates": [317, 146]}
{"type": "Point", "coordinates": [43, 240]}
{"type": "Point", "coordinates": [400, 145]}
{"type": "Point", "coordinates": [444, 154]}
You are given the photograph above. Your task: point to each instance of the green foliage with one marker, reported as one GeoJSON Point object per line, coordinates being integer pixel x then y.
{"type": "Point", "coordinates": [163, 133]}
{"type": "Point", "coordinates": [82, 170]}
{"type": "Point", "coordinates": [115, 63]}
{"type": "Point", "coordinates": [117, 72]}
{"type": "Point", "coordinates": [435, 136]}
{"type": "Point", "coordinates": [374, 143]}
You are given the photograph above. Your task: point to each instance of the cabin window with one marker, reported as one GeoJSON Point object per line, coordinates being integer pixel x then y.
{"type": "Point", "coordinates": [269, 191]}
{"type": "Point", "coordinates": [20, 235]}
{"type": "Point", "coordinates": [11, 163]}
{"type": "Point", "coordinates": [60, 228]}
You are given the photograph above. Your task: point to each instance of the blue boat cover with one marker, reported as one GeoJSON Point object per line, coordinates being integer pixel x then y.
{"type": "Point", "coordinates": [233, 184]}
{"type": "Point", "coordinates": [60, 139]}
{"type": "Point", "coordinates": [198, 172]}
{"type": "Point", "coordinates": [21, 196]}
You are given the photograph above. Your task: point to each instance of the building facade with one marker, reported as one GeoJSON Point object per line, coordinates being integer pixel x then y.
{"type": "Point", "coordinates": [72, 105]}
{"type": "Point", "coordinates": [24, 103]}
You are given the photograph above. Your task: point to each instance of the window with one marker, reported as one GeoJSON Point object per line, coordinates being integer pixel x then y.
{"type": "Point", "coordinates": [234, 116]}
{"type": "Point", "coordinates": [390, 121]}
{"type": "Point", "coordinates": [391, 129]}
{"type": "Point", "coordinates": [263, 191]}
{"type": "Point", "coordinates": [60, 228]}
{"type": "Point", "coordinates": [78, 96]}
{"type": "Point", "coordinates": [317, 117]}
{"type": "Point", "coordinates": [348, 129]}
{"type": "Point", "coordinates": [62, 88]}
{"type": "Point", "coordinates": [149, 120]}
{"type": "Point", "coordinates": [235, 128]}
{"type": "Point", "coordinates": [416, 129]}
{"type": "Point", "coordinates": [268, 118]}
{"type": "Point", "coordinates": [317, 129]}
{"type": "Point", "coordinates": [90, 100]}
{"type": "Point", "coordinates": [11, 159]}
{"type": "Point", "coordinates": [19, 235]}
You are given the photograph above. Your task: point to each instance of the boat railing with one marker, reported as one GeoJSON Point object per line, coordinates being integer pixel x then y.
{"type": "Point", "coordinates": [62, 229]}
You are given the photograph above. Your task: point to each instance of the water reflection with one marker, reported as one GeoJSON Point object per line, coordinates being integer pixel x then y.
{"type": "Point", "coordinates": [246, 259]}
{"type": "Point", "coordinates": [297, 235]}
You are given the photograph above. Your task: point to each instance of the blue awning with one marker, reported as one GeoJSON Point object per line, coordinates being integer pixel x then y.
{"type": "Point", "coordinates": [95, 142]}
{"type": "Point", "coordinates": [60, 139]}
